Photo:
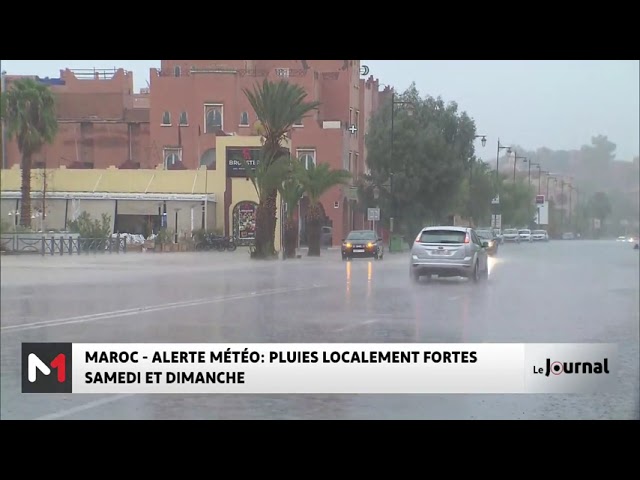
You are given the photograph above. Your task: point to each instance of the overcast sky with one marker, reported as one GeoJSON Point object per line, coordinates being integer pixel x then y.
{"type": "Point", "coordinates": [559, 104]}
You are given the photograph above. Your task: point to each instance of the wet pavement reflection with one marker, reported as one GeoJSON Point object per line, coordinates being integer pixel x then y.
{"type": "Point", "coordinates": [552, 292]}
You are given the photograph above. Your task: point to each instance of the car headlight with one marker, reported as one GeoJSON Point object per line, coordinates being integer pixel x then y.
{"type": "Point", "coordinates": [370, 245]}
{"type": "Point", "coordinates": [348, 245]}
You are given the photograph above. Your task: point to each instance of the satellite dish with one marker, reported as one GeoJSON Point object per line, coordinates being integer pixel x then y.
{"type": "Point", "coordinates": [364, 70]}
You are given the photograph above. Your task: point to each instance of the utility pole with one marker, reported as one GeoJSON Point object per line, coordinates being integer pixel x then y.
{"type": "Point", "coordinates": [3, 88]}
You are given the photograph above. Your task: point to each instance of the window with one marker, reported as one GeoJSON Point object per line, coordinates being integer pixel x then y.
{"type": "Point", "coordinates": [177, 71]}
{"type": "Point", "coordinates": [356, 165]}
{"type": "Point", "coordinates": [307, 157]}
{"type": "Point", "coordinates": [172, 157]}
{"type": "Point", "coordinates": [282, 72]}
{"type": "Point", "coordinates": [184, 120]}
{"type": "Point", "coordinates": [166, 119]}
{"type": "Point", "coordinates": [213, 118]}
{"type": "Point", "coordinates": [350, 118]}
{"type": "Point", "coordinates": [357, 122]}
{"type": "Point", "coordinates": [244, 119]}
{"type": "Point", "coordinates": [209, 159]}
{"type": "Point", "coordinates": [348, 166]}
{"type": "Point", "coordinates": [442, 236]}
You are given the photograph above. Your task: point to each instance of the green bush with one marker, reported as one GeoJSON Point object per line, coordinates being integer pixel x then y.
{"type": "Point", "coordinates": [164, 236]}
{"type": "Point", "coordinates": [87, 227]}
{"type": "Point", "coordinates": [8, 228]}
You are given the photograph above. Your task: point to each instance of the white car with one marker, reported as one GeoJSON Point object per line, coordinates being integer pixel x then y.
{"type": "Point", "coordinates": [525, 235]}
{"type": "Point", "coordinates": [540, 236]}
{"type": "Point", "coordinates": [510, 235]}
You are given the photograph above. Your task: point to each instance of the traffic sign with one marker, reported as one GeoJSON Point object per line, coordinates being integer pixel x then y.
{"type": "Point", "coordinates": [373, 214]}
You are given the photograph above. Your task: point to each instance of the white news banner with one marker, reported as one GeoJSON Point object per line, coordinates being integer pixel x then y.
{"type": "Point", "coordinates": [308, 368]}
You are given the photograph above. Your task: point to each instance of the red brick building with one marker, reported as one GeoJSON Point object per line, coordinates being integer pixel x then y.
{"type": "Point", "coordinates": [193, 102]}
{"type": "Point", "coordinates": [101, 122]}
{"type": "Point", "coordinates": [190, 103]}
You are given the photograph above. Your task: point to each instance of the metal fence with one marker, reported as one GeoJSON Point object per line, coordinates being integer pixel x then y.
{"type": "Point", "coordinates": [59, 245]}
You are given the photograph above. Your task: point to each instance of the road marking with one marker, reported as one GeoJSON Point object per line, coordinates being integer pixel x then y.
{"type": "Point", "coordinates": [81, 408]}
{"type": "Point", "coordinates": [357, 325]}
{"type": "Point", "coordinates": [149, 309]}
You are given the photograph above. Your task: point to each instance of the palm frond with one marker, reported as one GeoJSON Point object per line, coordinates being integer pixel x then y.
{"type": "Point", "coordinates": [316, 180]}
{"type": "Point", "coordinates": [266, 176]}
{"type": "Point", "coordinates": [278, 106]}
{"type": "Point", "coordinates": [28, 110]}
{"type": "Point", "coordinates": [291, 191]}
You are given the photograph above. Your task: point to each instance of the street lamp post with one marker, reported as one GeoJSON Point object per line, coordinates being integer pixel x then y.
{"type": "Point", "coordinates": [539, 178]}
{"type": "Point", "coordinates": [570, 202]}
{"type": "Point", "coordinates": [394, 102]}
{"type": "Point", "coordinates": [532, 164]}
{"type": "Point", "coordinates": [515, 162]}
{"type": "Point", "coordinates": [500, 147]}
{"type": "Point", "coordinates": [484, 142]}
{"type": "Point", "coordinates": [562, 184]}
{"type": "Point", "coordinates": [555, 181]}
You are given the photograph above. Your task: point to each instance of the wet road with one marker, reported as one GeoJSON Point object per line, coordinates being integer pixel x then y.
{"type": "Point", "coordinates": [571, 291]}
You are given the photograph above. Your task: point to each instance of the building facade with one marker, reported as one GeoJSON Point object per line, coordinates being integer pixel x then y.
{"type": "Point", "coordinates": [101, 122]}
{"type": "Point", "coordinates": [183, 121]}
{"type": "Point", "coordinates": [196, 103]}
{"type": "Point", "coordinates": [141, 201]}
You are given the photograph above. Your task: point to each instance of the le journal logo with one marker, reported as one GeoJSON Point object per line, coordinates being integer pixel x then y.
{"type": "Point", "coordinates": [572, 368]}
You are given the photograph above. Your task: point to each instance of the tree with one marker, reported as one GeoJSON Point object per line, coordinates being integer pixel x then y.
{"type": "Point", "coordinates": [432, 145]}
{"type": "Point", "coordinates": [516, 200]}
{"type": "Point", "coordinates": [600, 207]}
{"type": "Point", "coordinates": [478, 192]}
{"type": "Point", "coordinates": [278, 106]}
{"type": "Point", "coordinates": [266, 177]}
{"type": "Point", "coordinates": [315, 181]}
{"type": "Point", "coordinates": [291, 192]}
{"type": "Point", "coordinates": [28, 111]}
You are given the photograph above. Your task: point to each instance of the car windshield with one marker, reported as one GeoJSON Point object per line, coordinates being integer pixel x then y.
{"type": "Point", "coordinates": [510, 231]}
{"type": "Point", "coordinates": [484, 234]}
{"type": "Point", "coordinates": [539, 232]}
{"type": "Point", "coordinates": [442, 236]}
{"type": "Point", "coordinates": [361, 236]}
{"type": "Point", "coordinates": [524, 231]}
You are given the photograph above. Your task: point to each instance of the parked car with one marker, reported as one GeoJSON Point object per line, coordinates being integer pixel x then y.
{"type": "Point", "coordinates": [362, 244]}
{"type": "Point", "coordinates": [498, 233]}
{"type": "Point", "coordinates": [568, 236]}
{"type": "Point", "coordinates": [525, 234]}
{"type": "Point", "coordinates": [511, 235]}
{"type": "Point", "coordinates": [448, 251]}
{"type": "Point", "coordinates": [540, 236]}
{"type": "Point", "coordinates": [489, 236]}
{"type": "Point", "coordinates": [326, 238]}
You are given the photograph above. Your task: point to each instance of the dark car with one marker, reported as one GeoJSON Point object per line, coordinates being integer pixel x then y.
{"type": "Point", "coordinates": [362, 244]}
{"type": "Point", "coordinates": [493, 242]}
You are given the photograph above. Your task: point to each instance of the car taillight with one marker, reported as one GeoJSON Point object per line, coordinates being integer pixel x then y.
{"type": "Point", "coordinates": [418, 237]}
{"type": "Point", "coordinates": [466, 238]}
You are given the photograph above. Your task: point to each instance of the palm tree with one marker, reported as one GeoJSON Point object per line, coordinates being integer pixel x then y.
{"type": "Point", "coordinates": [291, 192]}
{"type": "Point", "coordinates": [316, 180]}
{"type": "Point", "coordinates": [265, 179]}
{"type": "Point", "coordinates": [278, 106]}
{"type": "Point", "coordinates": [28, 111]}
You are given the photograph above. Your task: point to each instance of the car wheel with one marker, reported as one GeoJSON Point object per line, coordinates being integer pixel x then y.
{"type": "Point", "coordinates": [415, 277]}
{"type": "Point", "coordinates": [485, 273]}
{"type": "Point", "coordinates": [344, 258]}
{"type": "Point", "coordinates": [475, 275]}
